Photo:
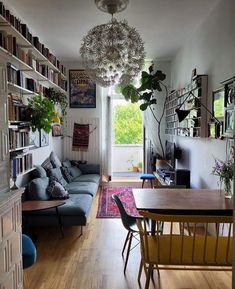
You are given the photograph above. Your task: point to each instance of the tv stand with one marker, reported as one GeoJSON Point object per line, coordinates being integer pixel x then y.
{"type": "Point", "coordinates": [166, 177]}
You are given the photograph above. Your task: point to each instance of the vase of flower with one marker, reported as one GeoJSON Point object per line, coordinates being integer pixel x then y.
{"type": "Point", "coordinates": [225, 172]}
{"type": "Point", "coordinates": [227, 188]}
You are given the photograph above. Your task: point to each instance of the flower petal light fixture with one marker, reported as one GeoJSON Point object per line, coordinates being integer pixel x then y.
{"type": "Point", "coordinates": [112, 53]}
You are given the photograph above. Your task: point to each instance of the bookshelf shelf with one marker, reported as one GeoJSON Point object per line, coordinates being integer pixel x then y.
{"type": "Point", "coordinates": [195, 124]}
{"type": "Point", "coordinates": [21, 148]}
{"type": "Point", "coordinates": [20, 89]}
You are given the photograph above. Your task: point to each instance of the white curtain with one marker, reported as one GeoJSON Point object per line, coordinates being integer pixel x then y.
{"type": "Point", "coordinates": [106, 146]}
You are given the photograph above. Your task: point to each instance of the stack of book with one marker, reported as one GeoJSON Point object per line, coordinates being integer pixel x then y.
{"type": "Point", "coordinates": [21, 163]}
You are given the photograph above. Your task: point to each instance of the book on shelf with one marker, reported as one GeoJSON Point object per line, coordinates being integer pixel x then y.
{"type": "Point", "coordinates": [19, 136]}
{"type": "Point", "coordinates": [21, 163]}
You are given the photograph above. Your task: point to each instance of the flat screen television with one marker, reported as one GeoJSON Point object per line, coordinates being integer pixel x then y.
{"type": "Point", "coordinates": [170, 150]}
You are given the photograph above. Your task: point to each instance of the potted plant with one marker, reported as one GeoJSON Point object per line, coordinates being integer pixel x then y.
{"type": "Point", "coordinates": [151, 82]}
{"type": "Point", "coordinates": [140, 166]}
{"type": "Point", "coordinates": [41, 111]}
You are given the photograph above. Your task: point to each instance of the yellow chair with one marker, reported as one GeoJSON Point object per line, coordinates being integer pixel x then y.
{"type": "Point", "coordinates": [206, 246]}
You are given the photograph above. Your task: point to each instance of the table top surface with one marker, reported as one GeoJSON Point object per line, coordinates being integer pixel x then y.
{"type": "Point", "coordinates": [183, 201]}
{"type": "Point", "coordinates": [40, 205]}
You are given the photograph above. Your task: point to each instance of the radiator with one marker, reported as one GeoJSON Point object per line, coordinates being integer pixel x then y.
{"type": "Point", "coordinates": [92, 155]}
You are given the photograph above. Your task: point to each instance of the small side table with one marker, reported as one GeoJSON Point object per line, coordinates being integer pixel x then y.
{"type": "Point", "coordinates": [32, 206]}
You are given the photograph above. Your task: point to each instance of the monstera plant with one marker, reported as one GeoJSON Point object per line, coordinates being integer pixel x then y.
{"type": "Point", "coordinates": [41, 112]}
{"type": "Point", "coordinates": [146, 95]}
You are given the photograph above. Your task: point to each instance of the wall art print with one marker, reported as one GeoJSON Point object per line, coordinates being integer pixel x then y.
{"type": "Point", "coordinates": [82, 90]}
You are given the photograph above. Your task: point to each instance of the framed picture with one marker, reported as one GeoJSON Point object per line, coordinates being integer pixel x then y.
{"type": "Point", "coordinates": [229, 122]}
{"type": "Point", "coordinates": [44, 138]}
{"type": "Point", "coordinates": [56, 130]}
{"type": "Point", "coordinates": [218, 102]}
{"type": "Point", "coordinates": [82, 90]}
{"type": "Point", "coordinates": [229, 94]}
{"type": "Point", "coordinates": [34, 138]}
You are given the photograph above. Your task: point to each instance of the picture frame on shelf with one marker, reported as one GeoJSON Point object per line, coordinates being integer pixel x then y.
{"type": "Point", "coordinates": [56, 130]}
{"type": "Point", "coordinates": [215, 130]}
{"type": "Point", "coordinates": [44, 138]}
{"type": "Point", "coordinates": [82, 90]}
{"type": "Point", "coordinates": [229, 94]}
{"type": "Point", "coordinates": [229, 122]}
{"type": "Point", "coordinates": [34, 138]}
{"type": "Point", "coordinates": [218, 98]}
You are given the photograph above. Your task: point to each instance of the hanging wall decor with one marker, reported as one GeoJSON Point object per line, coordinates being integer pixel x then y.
{"type": "Point", "coordinates": [82, 90]}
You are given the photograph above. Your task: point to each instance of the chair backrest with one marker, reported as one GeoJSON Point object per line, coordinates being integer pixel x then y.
{"type": "Point", "coordinates": [210, 242]}
{"type": "Point", "coordinates": [127, 220]}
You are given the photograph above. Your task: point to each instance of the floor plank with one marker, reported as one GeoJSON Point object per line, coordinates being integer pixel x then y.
{"type": "Point", "coordinates": [94, 261]}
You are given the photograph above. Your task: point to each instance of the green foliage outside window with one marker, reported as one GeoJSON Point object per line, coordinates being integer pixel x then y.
{"type": "Point", "coordinates": [127, 123]}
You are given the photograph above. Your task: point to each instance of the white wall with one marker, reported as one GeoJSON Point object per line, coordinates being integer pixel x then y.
{"type": "Point", "coordinates": [211, 50]}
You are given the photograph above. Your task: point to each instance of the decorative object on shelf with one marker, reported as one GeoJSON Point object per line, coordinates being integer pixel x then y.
{"type": "Point", "coordinates": [14, 174]}
{"type": "Point", "coordinates": [44, 138]}
{"type": "Point", "coordinates": [150, 83]}
{"type": "Point", "coordinates": [82, 90]}
{"type": "Point", "coordinates": [41, 110]}
{"type": "Point", "coordinates": [60, 99]}
{"type": "Point", "coordinates": [229, 86]}
{"type": "Point", "coordinates": [34, 138]}
{"type": "Point", "coordinates": [225, 172]}
{"type": "Point", "coordinates": [112, 53]}
{"type": "Point", "coordinates": [182, 113]}
{"type": "Point", "coordinates": [56, 130]}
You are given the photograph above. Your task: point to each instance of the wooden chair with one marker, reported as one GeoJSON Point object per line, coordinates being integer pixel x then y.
{"type": "Point", "coordinates": [175, 250]}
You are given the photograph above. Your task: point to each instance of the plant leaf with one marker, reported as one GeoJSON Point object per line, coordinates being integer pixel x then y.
{"type": "Point", "coordinates": [144, 106]}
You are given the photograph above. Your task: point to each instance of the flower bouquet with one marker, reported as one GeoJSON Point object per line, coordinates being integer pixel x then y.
{"type": "Point", "coordinates": [225, 171]}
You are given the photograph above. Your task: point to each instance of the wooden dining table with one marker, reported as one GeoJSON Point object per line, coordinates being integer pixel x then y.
{"type": "Point", "coordinates": [183, 201]}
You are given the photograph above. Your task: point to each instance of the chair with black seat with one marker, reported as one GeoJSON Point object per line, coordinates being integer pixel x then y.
{"type": "Point", "coordinates": [29, 255]}
{"type": "Point", "coordinates": [130, 224]}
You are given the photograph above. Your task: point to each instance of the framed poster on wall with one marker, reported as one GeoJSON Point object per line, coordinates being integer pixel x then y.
{"type": "Point", "coordinates": [82, 90]}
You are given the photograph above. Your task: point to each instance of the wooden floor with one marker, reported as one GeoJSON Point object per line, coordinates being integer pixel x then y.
{"type": "Point", "coordinates": [94, 261]}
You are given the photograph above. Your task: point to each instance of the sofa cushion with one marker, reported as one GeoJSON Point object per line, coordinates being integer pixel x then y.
{"type": "Point", "coordinates": [68, 177]}
{"type": "Point", "coordinates": [56, 163]}
{"type": "Point", "coordinates": [82, 188]}
{"type": "Point", "coordinates": [56, 191]}
{"type": "Point", "coordinates": [75, 172]}
{"type": "Point", "coordinates": [89, 168]}
{"type": "Point", "coordinates": [37, 189]}
{"type": "Point", "coordinates": [39, 172]}
{"type": "Point", "coordinates": [47, 165]}
{"type": "Point", "coordinates": [88, 178]}
{"type": "Point", "coordinates": [76, 205]}
{"type": "Point", "coordinates": [56, 172]}
{"type": "Point", "coordinates": [67, 164]}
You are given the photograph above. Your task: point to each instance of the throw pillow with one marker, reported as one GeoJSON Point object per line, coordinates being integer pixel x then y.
{"type": "Point", "coordinates": [56, 172]}
{"type": "Point", "coordinates": [68, 177]}
{"type": "Point", "coordinates": [39, 172]}
{"type": "Point", "coordinates": [75, 172]}
{"type": "Point", "coordinates": [37, 189]}
{"type": "Point", "coordinates": [47, 165]}
{"type": "Point", "coordinates": [56, 163]}
{"type": "Point", "coordinates": [66, 164]}
{"type": "Point", "coordinates": [56, 191]}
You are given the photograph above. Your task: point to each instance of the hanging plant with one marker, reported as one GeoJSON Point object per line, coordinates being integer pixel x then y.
{"type": "Point", "coordinates": [41, 111]}
{"type": "Point", "coordinates": [60, 98]}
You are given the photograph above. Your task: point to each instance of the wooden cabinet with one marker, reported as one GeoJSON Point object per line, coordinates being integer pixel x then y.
{"type": "Point", "coordinates": [195, 124]}
{"type": "Point", "coordinates": [11, 271]}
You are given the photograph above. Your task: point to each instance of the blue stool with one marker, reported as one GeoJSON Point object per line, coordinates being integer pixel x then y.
{"type": "Point", "coordinates": [149, 177]}
{"type": "Point", "coordinates": [29, 255]}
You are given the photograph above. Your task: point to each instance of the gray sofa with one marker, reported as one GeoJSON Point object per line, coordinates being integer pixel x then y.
{"type": "Point", "coordinates": [82, 185]}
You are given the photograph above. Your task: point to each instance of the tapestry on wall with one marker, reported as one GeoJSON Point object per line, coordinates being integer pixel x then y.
{"type": "Point", "coordinates": [80, 137]}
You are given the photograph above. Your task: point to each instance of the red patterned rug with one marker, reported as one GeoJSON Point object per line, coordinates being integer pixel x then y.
{"type": "Point", "coordinates": [108, 209]}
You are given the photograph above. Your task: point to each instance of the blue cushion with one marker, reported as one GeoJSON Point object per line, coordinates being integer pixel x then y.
{"type": "Point", "coordinates": [88, 188]}
{"type": "Point", "coordinates": [37, 189]}
{"type": "Point", "coordinates": [56, 172]}
{"type": "Point", "coordinates": [75, 172]}
{"type": "Point", "coordinates": [147, 177]}
{"type": "Point", "coordinates": [56, 163]}
{"type": "Point", "coordinates": [39, 172]}
{"type": "Point", "coordinates": [94, 178]}
{"type": "Point", "coordinates": [67, 164]}
{"type": "Point", "coordinates": [29, 252]}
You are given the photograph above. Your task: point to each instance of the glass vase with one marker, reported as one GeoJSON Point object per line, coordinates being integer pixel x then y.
{"type": "Point", "coordinates": [227, 189]}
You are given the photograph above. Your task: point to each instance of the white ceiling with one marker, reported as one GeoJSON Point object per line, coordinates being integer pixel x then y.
{"type": "Point", "coordinates": [163, 24]}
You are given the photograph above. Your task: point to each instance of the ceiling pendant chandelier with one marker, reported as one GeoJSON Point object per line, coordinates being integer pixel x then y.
{"type": "Point", "coordinates": [112, 53]}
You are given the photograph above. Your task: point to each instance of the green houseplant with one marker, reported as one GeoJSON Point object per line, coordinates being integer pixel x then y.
{"type": "Point", "coordinates": [145, 94]}
{"type": "Point", "coordinates": [60, 98]}
{"type": "Point", "coordinates": [41, 111]}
